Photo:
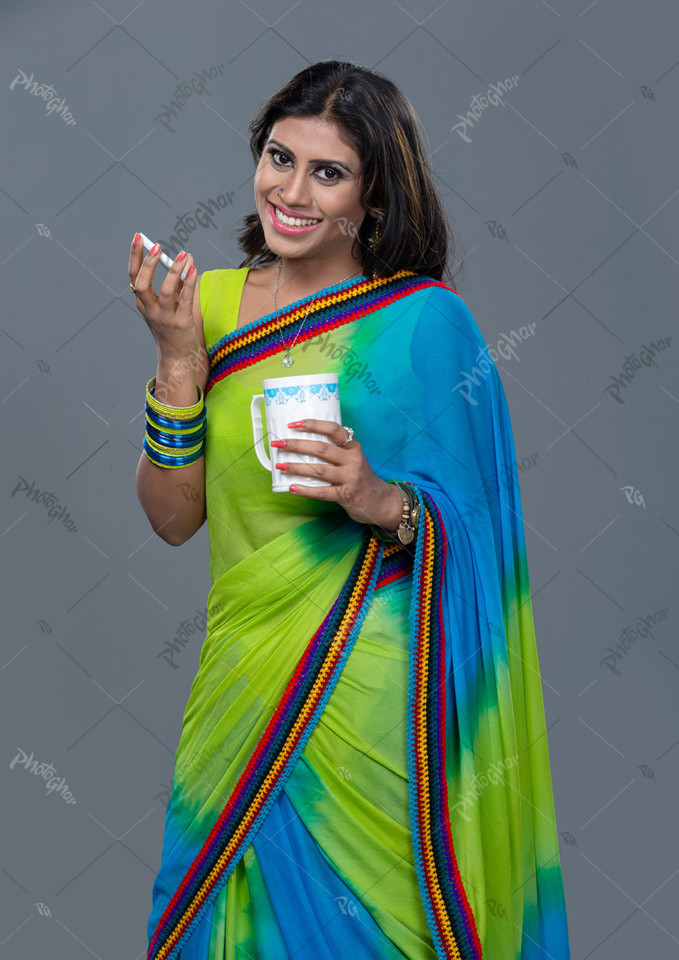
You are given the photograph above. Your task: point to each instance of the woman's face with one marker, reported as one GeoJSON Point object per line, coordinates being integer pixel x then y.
{"type": "Point", "coordinates": [321, 179]}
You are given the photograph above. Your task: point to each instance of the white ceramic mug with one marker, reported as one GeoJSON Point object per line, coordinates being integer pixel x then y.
{"type": "Point", "coordinates": [314, 396]}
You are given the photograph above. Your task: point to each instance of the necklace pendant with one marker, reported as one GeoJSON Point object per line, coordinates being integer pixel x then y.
{"type": "Point", "coordinates": [287, 360]}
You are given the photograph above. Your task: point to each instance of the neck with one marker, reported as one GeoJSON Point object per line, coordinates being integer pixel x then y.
{"type": "Point", "coordinates": [308, 275]}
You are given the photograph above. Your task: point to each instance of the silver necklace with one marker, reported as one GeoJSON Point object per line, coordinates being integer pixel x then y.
{"type": "Point", "coordinates": [287, 360]}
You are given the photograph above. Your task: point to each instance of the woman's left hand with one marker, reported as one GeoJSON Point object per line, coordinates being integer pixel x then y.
{"type": "Point", "coordinates": [355, 486]}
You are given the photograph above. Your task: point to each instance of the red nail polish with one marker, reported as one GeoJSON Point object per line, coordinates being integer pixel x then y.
{"type": "Point", "coordinates": [282, 466]}
{"type": "Point", "coordinates": [137, 238]}
{"type": "Point", "coordinates": [296, 423]}
{"type": "Point", "coordinates": [192, 270]}
{"type": "Point", "coordinates": [154, 249]}
{"type": "Point", "coordinates": [181, 256]}
{"type": "Point", "coordinates": [293, 488]}
{"type": "Point", "coordinates": [277, 443]}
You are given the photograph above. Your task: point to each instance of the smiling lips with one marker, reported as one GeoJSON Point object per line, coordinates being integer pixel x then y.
{"type": "Point", "coordinates": [289, 225]}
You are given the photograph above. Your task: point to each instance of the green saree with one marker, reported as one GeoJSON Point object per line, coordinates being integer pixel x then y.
{"type": "Point", "coordinates": [363, 766]}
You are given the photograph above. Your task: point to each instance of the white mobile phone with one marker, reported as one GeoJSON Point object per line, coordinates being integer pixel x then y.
{"type": "Point", "coordinates": [164, 259]}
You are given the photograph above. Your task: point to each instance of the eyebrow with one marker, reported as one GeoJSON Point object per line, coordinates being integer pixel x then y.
{"type": "Point", "coordinates": [317, 160]}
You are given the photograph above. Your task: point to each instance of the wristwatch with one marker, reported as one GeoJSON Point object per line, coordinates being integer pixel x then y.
{"type": "Point", "coordinates": [407, 528]}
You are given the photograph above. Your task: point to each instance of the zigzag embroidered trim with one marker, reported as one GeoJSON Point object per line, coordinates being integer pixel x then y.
{"type": "Point", "coordinates": [342, 304]}
{"type": "Point", "coordinates": [448, 912]}
{"type": "Point", "coordinates": [271, 763]}
{"type": "Point", "coordinates": [449, 915]}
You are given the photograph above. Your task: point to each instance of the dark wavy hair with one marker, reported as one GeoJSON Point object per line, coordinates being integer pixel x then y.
{"type": "Point", "coordinates": [398, 188]}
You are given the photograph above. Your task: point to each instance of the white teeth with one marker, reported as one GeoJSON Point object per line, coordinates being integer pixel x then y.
{"type": "Point", "coordinates": [293, 221]}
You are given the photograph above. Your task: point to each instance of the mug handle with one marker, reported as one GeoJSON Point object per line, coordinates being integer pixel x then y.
{"type": "Point", "coordinates": [258, 430]}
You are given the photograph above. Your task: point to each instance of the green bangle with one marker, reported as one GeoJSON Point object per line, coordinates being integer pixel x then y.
{"type": "Point", "coordinates": [170, 412]}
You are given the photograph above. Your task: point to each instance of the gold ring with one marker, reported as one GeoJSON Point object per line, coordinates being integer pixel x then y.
{"type": "Point", "coordinates": [133, 288]}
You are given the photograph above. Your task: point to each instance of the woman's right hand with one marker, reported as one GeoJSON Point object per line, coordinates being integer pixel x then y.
{"type": "Point", "coordinates": [169, 315]}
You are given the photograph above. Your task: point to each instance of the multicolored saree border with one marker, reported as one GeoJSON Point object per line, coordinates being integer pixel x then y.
{"type": "Point", "coordinates": [341, 304]}
{"type": "Point", "coordinates": [273, 759]}
{"type": "Point", "coordinates": [449, 915]}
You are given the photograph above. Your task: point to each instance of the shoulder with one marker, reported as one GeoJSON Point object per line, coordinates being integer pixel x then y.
{"type": "Point", "coordinates": [225, 295]}
{"type": "Point", "coordinates": [262, 275]}
{"type": "Point", "coordinates": [445, 317]}
{"type": "Point", "coordinates": [218, 292]}
{"type": "Point", "coordinates": [447, 342]}
{"type": "Point", "coordinates": [216, 279]}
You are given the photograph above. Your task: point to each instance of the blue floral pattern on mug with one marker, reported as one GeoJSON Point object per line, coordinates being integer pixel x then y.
{"type": "Point", "coordinates": [302, 392]}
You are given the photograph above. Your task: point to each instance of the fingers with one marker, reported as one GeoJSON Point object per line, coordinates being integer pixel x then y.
{"type": "Point", "coordinates": [186, 288]}
{"type": "Point", "coordinates": [316, 471]}
{"type": "Point", "coordinates": [328, 427]}
{"type": "Point", "coordinates": [136, 257]}
{"type": "Point", "coordinates": [173, 286]}
{"type": "Point", "coordinates": [315, 448]}
{"type": "Point", "coordinates": [141, 272]}
{"type": "Point", "coordinates": [334, 431]}
{"type": "Point", "coordinates": [334, 449]}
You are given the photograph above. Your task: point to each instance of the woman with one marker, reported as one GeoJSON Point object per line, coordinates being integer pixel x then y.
{"type": "Point", "coordinates": [363, 767]}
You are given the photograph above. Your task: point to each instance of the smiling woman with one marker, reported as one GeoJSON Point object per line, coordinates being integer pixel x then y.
{"type": "Point", "coordinates": [363, 768]}
{"type": "Point", "coordinates": [316, 202]}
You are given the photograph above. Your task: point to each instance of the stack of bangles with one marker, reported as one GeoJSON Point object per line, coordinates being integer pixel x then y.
{"type": "Point", "coordinates": [413, 515]}
{"type": "Point", "coordinates": [175, 436]}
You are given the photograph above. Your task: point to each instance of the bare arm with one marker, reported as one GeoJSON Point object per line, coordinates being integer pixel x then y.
{"type": "Point", "coordinates": [173, 499]}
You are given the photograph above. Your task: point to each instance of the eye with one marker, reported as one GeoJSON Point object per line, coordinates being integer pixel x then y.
{"type": "Point", "coordinates": [338, 175]}
{"type": "Point", "coordinates": [274, 152]}
{"type": "Point", "coordinates": [278, 153]}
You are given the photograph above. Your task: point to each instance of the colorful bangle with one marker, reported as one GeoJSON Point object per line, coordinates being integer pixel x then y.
{"type": "Point", "coordinates": [175, 413]}
{"type": "Point", "coordinates": [175, 436]}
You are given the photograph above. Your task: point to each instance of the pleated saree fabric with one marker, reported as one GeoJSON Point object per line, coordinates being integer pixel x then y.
{"type": "Point", "coordinates": [363, 767]}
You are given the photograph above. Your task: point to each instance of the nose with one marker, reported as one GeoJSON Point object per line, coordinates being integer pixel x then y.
{"type": "Point", "coordinates": [294, 192]}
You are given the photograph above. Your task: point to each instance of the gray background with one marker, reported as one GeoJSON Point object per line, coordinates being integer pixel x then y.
{"type": "Point", "coordinates": [565, 201]}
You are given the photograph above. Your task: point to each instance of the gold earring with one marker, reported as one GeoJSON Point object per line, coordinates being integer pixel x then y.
{"type": "Point", "coordinates": [374, 240]}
